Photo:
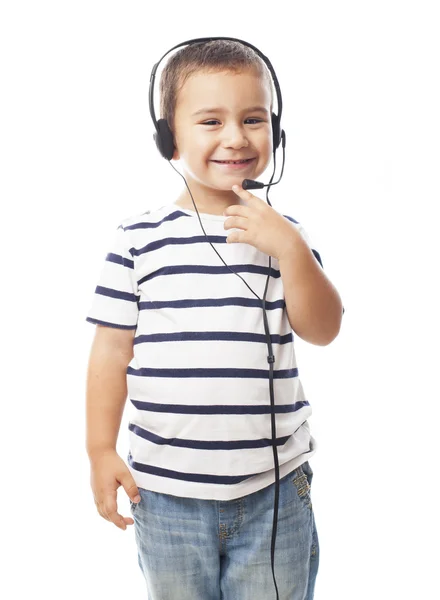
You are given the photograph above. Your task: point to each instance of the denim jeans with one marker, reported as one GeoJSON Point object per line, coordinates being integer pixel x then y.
{"type": "Point", "coordinates": [193, 549]}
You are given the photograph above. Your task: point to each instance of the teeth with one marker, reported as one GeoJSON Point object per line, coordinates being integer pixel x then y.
{"type": "Point", "coordinates": [234, 162]}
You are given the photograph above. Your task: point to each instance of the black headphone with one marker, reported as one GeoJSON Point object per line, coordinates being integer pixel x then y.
{"type": "Point", "coordinates": [165, 144]}
{"type": "Point", "coordinates": [164, 136]}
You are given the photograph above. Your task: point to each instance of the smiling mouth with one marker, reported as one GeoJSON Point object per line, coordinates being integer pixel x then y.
{"type": "Point", "coordinates": [234, 162]}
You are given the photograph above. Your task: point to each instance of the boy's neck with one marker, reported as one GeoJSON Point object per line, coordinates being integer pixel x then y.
{"type": "Point", "coordinates": [216, 207]}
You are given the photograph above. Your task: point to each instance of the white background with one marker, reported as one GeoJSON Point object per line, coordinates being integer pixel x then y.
{"type": "Point", "coordinates": [360, 85]}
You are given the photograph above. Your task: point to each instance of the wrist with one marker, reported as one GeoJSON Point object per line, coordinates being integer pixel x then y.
{"type": "Point", "coordinates": [97, 453]}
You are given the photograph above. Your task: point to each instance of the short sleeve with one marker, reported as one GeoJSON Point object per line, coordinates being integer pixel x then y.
{"type": "Point", "coordinates": [115, 301]}
{"type": "Point", "coordinates": [310, 243]}
{"type": "Point", "coordinates": [306, 237]}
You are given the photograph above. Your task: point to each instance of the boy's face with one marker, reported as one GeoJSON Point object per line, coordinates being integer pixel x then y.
{"type": "Point", "coordinates": [232, 132]}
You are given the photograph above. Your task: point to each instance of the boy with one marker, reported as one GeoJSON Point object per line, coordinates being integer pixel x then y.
{"type": "Point", "coordinates": [200, 473]}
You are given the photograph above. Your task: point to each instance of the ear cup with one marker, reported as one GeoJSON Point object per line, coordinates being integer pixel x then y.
{"type": "Point", "coordinates": [164, 139]}
{"type": "Point", "coordinates": [276, 131]}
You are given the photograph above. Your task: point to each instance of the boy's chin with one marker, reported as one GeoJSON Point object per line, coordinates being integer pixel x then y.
{"type": "Point", "coordinates": [227, 186]}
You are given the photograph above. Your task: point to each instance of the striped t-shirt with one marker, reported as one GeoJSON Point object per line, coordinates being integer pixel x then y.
{"type": "Point", "coordinates": [198, 383]}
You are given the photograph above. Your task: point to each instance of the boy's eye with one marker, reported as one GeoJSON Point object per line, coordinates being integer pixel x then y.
{"type": "Point", "coordinates": [216, 121]}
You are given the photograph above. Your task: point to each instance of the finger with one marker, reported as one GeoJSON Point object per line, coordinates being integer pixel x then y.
{"type": "Point", "coordinates": [250, 201]}
{"type": "Point", "coordinates": [107, 503]}
{"type": "Point", "coordinates": [117, 519]}
{"type": "Point", "coordinates": [245, 194]}
{"type": "Point", "coordinates": [130, 487]}
{"type": "Point", "coordinates": [100, 508]}
{"type": "Point", "coordinates": [237, 210]}
{"type": "Point", "coordinates": [236, 222]}
{"type": "Point", "coordinates": [236, 236]}
{"type": "Point", "coordinates": [110, 508]}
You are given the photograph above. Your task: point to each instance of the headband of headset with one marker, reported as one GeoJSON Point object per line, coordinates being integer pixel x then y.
{"type": "Point", "coordinates": [164, 136]}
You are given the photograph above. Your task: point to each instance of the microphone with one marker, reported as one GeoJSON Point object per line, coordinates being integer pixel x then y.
{"type": "Point", "coordinates": [251, 184]}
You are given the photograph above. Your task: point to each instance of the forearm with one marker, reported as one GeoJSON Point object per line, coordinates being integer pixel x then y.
{"type": "Point", "coordinates": [106, 395]}
{"type": "Point", "coordinates": [314, 307]}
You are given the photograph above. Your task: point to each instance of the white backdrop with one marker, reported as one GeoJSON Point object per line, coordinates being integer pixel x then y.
{"type": "Point", "coordinates": [360, 85]}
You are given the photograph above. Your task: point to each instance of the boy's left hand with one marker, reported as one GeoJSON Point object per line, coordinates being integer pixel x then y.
{"type": "Point", "coordinates": [263, 227]}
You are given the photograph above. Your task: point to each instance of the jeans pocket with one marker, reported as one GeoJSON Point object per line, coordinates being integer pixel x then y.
{"type": "Point", "coordinates": [302, 480]}
{"type": "Point", "coordinates": [134, 505]}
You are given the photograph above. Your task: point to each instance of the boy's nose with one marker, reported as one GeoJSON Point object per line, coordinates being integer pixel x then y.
{"type": "Point", "coordinates": [234, 137]}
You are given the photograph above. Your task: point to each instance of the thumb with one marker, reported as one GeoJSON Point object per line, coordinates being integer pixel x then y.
{"type": "Point", "coordinates": [132, 490]}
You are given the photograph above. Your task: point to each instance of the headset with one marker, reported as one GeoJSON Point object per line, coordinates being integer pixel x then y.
{"type": "Point", "coordinates": [165, 144]}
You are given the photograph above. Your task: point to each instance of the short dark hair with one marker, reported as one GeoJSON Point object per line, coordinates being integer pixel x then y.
{"type": "Point", "coordinates": [212, 56]}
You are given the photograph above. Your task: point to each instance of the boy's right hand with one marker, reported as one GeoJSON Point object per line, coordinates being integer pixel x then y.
{"type": "Point", "coordinates": [107, 472]}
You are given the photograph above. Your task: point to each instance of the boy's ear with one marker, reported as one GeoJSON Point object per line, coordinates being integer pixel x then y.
{"type": "Point", "coordinates": [176, 154]}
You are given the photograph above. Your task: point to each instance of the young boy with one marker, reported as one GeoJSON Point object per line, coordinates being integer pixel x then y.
{"type": "Point", "coordinates": [183, 336]}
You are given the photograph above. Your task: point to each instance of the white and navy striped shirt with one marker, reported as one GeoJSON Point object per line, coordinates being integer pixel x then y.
{"type": "Point", "coordinates": [198, 383]}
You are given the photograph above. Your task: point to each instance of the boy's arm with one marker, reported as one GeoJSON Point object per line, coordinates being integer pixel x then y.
{"type": "Point", "coordinates": [106, 393]}
{"type": "Point", "coordinates": [314, 306]}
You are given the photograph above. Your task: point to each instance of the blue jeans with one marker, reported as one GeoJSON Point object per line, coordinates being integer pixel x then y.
{"type": "Point", "coordinates": [193, 549]}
